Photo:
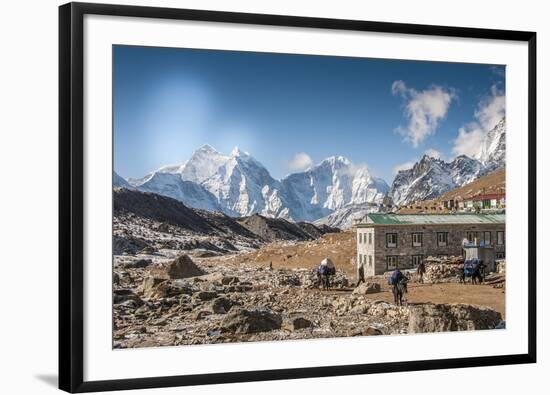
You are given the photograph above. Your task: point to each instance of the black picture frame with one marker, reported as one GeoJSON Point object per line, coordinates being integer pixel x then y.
{"type": "Point", "coordinates": [71, 172]}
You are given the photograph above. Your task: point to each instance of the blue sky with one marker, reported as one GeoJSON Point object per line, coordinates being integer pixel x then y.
{"type": "Point", "coordinates": [289, 111]}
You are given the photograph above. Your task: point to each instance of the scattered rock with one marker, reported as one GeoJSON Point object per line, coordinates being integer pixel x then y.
{"type": "Point", "coordinates": [159, 288]}
{"type": "Point", "coordinates": [148, 286]}
{"type": "Point", "coordinates": [123, 295]}
{"type": "Point", "coordinates": [201, 314]}
{"type": "Point", "coordinates": [242, 321]}
{"type": "Point", "coordinates": [181, 267]}
{"type": "Point", "coordinates": [451, 317]}
{"type": "Point", "coordinates": [297, 323]}
{"type": "Point", "coordinates": [221, 305]}
{"type": "Point", "coordinates": [289, 280]}
{"type": "Point", "coordinates": [127, 244]}
{"type": "Point", "coordinates": [148, 250]}
{"type": "Point", "coordinates": [229, 280]}
{"type": "Point", "coordinates": [137, 264]}
{"type": "Point", "coordinates": [367, 288]}
{"type": "Point", "coordinates": [370, 331]}
{"type": "Point", "coordinates": [205, 295]}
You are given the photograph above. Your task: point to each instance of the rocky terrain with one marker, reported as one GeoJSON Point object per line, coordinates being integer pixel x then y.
{"type": "Point", "coordinates": [188, 276]}
{"type": "Point", "coordinates": [161, 301]}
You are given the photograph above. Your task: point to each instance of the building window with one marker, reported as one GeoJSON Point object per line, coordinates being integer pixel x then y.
{"type": "Point", "coordinates": [370, 238]}
{"type": "Point", "coordinates": [391, 262]}
{"type": "Point", "coordinates": [370, 260]}
{"type": "Point", "coordinates": [471, 236]}
{"type": "Point", "coordinates": [487, 238]}
{"type": "Point", "coordinates": [499, 255]}
{"type": "Point", "coordinates": [442, 239]}
{"type": "Point", "coordinates": [500, 238]}
{"type": "Point", "coordinates": [417, 260]}
{"type": "Point", "coordinates": [391, 240]}
{"type": "Point", "coordinates": [417, 239]}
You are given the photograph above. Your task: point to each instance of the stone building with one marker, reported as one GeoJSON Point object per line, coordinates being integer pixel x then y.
{"type": "Point", "coordinates": [387, 241]}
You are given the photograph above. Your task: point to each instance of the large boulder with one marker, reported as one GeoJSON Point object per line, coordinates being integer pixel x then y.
{"type": "Point", "coordinates": [221, 305]}
{"type": "Point", "coordinates": [181, 267]}
{"type": "Point", "coordinates": [451, 317]}
{"type": "Point", "coordinates": [125, 295]}
{"type": "Point", "coordinates": [137, 264]}
{"type": "Point", "coordinates": [296, 322]}
{"type": "Point", "coordinates": [152, 287]}
{"type": "Point", "coordinates": [128, 245]}
{"type": "Point", "coordinates": [242, 321]}
{"type": "Point", "coordinates": [367, 288]}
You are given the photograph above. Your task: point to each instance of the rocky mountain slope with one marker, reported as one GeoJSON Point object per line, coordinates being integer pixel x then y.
{"type": "Point", "coordinates": [343, 218]}
{"type": "Point", "coordinates": [143, 220]}
{"type": "Point", "coordinates": [430, 177]}
{"type": "Point", "coordinates": [273, 229]}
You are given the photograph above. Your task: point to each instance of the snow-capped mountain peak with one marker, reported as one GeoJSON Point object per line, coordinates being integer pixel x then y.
{"type": "Point", "coordinates": [493, 148]}
{"type": "Point", "coordinates": [430, 177]}
{"type": "Point", "coordinates": [335, 161]}
{"type": "Point", "coordinates": [238, 184]}
{"type": "Point", "coordinates": [236, 153]}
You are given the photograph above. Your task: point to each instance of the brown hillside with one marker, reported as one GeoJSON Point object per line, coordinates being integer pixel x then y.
{"type": "Point", "coordinates": [339, 247]}
{"type": "Point", "coordinates": [491, 183]}
{"type": "Point", "coordinates": [494, 182]}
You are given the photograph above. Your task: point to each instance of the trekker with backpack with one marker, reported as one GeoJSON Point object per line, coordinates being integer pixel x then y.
{"type": "Point", "coordinates": [397, 277]}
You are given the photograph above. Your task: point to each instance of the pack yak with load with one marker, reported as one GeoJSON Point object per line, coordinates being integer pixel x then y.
{"type": "Point", "coordinates": [325, 271]}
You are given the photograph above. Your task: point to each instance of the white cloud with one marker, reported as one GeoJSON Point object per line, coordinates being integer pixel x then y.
{"type": "Point", "coordinates": [470, 138]}
{"type": "Point", "coordinates": [424, 109]}
{"type": "Point", "coordinates": [490, 111]}
{"type": "Point", "coordinates": [299, 162]}
{"type": "Point", "coordinates": [404, 166]}
{"type": "Point", "coordinates": [433, 153]}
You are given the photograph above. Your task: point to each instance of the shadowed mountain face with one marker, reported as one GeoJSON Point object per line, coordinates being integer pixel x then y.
{"type": "Point", "coordinates": [272, 229]}
{"type": "Point", "coordinates": [166, 210]}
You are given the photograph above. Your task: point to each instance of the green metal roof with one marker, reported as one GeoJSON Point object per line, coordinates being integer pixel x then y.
{"type": "Point", "coordinates": [433, 219]}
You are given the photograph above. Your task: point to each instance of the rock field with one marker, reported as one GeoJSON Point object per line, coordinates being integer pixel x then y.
{"type": "Point", "coordinates": [171, 299]}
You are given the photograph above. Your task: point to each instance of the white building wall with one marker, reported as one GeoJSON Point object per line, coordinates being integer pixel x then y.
{"type": "Point", "coordinates": [365, 249]}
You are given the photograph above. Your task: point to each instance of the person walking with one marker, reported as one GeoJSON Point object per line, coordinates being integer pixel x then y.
{"type": "Point", "coordinates": [420, 270]}
{"type": "Point", "coordinates": [360, 272]}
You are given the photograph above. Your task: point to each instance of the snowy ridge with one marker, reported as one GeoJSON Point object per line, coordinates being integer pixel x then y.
{"type": "Point", "coordinates": [431, 177]}
{"type": "Point", "coordinates": [239, 185]}
{"type": "Point", "coordinates": [333, 192]}
{"type": "Point", "coordinates": [343, 217]}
